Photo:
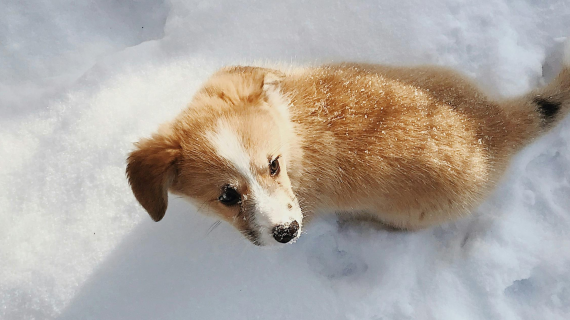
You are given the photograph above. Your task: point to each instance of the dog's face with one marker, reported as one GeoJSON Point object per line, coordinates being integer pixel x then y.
{"type": "Point", "coordinates": [228, 153]}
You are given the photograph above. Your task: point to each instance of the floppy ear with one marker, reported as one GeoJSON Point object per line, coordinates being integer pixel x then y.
{"type": "Point", "coordinates": [151, 169]}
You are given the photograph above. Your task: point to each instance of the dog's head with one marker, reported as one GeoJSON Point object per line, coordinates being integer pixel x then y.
{"type": "Point", "coordinates": [228, 153]}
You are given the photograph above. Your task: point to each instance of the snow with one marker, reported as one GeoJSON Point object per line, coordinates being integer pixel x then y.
{"type": "Point", "coordinates": [81, 81]}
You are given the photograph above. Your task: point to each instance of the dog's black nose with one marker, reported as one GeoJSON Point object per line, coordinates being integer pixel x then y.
{"type": "Point", "coordinates": [285, 233]}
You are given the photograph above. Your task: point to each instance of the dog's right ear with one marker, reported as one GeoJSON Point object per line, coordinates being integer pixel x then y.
{"type": "Point", "coordinates": [151, 169]}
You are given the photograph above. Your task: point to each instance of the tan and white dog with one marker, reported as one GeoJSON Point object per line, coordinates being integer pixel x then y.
{"type": "Point", "coordinates": [410, 147]}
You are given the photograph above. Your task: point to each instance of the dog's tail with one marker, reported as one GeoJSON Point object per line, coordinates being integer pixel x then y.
{"type": "Point", "coordinates": [540, 110]}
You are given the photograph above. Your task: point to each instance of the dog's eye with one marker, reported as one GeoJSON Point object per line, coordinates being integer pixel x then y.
{"type": "Point", "coordinates": [274, 167]}
{"type": "Point", "coordinates": [230, 196]}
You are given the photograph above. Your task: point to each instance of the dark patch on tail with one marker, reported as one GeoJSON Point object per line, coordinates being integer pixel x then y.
{"type": "Point", "coordinates": [548, 109]}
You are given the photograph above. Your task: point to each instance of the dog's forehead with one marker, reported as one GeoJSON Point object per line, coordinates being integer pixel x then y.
{"type": "Point", "coordinates": [228, 145]}
{"type": "Point", "coordinates": [244, 144]}
{"type": "Point", "coordinates": [253, 133]}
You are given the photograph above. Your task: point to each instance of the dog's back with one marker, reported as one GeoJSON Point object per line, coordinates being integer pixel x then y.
{"type": "Point", "coordinates": [412, 146]}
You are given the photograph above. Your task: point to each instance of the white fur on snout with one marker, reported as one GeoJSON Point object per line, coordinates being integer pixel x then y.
{"type": "Point", "coordinates": [273, 210]}
{"type": "Point", "coordinates": [269, 209]}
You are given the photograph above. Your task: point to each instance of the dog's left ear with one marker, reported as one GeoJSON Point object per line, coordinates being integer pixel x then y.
{"type": "Point", "coordinates": [271, 89]}
{"type": "Point", "coordinates": [272, 81]}
{"type": "Point", "coordinates": [151, 170]}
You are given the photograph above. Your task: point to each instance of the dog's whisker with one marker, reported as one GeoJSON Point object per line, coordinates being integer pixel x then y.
{"type": "Point", "coordinates": [213, 226]}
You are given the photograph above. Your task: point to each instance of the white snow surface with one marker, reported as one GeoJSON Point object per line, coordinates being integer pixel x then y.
{"type": "Point", "coordinates": [80, 81]}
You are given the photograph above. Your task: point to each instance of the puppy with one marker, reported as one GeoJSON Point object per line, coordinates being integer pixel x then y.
{"type": "Point", "coordinates": [411, 147]}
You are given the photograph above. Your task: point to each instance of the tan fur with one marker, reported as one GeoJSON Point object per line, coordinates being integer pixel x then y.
{"type": "Point", "coordinates": [408, 146]}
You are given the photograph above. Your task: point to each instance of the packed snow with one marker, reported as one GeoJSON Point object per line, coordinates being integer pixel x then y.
{"type": "Point", "coordinates": [82, 80]}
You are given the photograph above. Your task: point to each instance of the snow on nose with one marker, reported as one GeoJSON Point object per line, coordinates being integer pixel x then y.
{"type": "Point", "coordinates": [285, 233]}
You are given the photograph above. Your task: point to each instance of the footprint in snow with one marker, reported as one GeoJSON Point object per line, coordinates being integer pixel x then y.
{"type": "Point", "coordinates": [327, 259]}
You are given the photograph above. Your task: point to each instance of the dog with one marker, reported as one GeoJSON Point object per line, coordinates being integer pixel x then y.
{"type": "Point", "coordinates": [266, 149]}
